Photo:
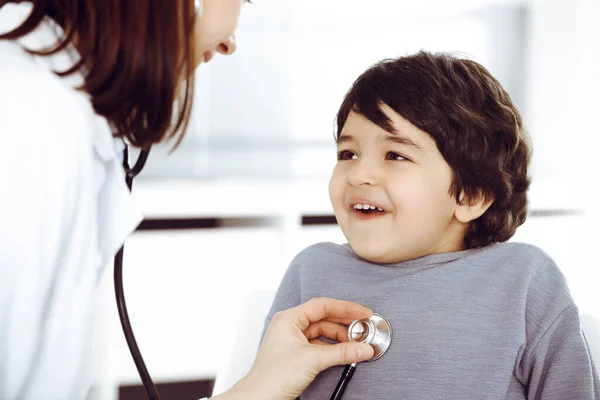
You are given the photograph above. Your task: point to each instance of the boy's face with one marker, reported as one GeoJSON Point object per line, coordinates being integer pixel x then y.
{"type": "Point", "coordinates": [402, 174]}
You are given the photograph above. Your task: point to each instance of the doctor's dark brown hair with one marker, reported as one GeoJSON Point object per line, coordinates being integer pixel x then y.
{"type": "Point", "coordinates": [137, 58]}
{"type": "Point", "coordinates": [473, 122]}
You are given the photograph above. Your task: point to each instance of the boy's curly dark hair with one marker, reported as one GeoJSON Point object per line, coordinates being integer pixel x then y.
{"type": "Point", "coordinates": [473, 121]}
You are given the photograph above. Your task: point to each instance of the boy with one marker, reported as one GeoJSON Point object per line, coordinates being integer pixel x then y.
{"type": "Point", "coordinates": [430, 183]}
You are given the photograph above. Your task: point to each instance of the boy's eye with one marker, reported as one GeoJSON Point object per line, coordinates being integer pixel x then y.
{"type": "Point", "coordinates": [395, 156]}
{"type": "Point", "coordinates": [346, 155]}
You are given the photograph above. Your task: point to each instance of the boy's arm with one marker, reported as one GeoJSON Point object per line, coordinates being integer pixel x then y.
{"type": "Point", "coordinates": [560, 365]}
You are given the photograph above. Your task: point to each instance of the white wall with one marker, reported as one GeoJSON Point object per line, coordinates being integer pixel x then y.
{"type": "Point", "coordinates": [562, 85]}
{"type": "Point", "coordinates": [295, 61]}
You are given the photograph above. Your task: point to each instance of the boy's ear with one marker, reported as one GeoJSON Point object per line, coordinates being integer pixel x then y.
{"type": "Point", "coordinates": [468, 210]}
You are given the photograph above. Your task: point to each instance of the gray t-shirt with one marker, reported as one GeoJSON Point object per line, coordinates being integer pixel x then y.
{"type": "Point", "coordinates": [489, 323]}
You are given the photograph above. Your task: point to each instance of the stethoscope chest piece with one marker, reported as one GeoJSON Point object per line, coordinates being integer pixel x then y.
{"type": "Point", "coordinates": [376, 331]}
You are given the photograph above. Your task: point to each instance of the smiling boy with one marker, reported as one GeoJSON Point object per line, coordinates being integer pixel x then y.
{"type": "Point", "coordinates": [431, 182]}
{"type": "Point", "coordinates": [404, 181]}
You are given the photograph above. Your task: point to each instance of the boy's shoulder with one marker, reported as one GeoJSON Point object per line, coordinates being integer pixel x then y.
{"type": "Point", "coordinates": [313, 259]}
{"type": "Point", "coordinates": [534, 267]}
{"type": "Point", "coordinates": [318, 257]}
{"type": "Point", "coordinates": [518, 251]}
{"type": "Point", "coordinates": [526, 260]}
{"type": "Point", "coordinates": [321, 251]}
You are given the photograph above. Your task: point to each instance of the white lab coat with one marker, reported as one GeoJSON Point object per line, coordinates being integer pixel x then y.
{"type": "Point", "coordinates": [64, 212]}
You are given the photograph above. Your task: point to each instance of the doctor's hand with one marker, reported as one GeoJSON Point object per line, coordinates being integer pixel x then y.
{"type": "Point", "coordinates": [291, 354]}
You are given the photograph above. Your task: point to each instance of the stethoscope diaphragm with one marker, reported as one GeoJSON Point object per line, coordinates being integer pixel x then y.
{"type": "Point", "coordinates": [376, 331]}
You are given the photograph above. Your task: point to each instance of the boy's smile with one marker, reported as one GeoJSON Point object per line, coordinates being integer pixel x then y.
{"type": "Point", "coordinates": [390, 192]}
{"type": "Point", "coordinates": [365, 209]}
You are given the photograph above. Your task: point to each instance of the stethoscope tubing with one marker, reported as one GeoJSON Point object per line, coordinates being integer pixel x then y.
{"type": "Point", "coordinates": [149, 385]}
{"type": "Point", "coordinates": [343, 382]}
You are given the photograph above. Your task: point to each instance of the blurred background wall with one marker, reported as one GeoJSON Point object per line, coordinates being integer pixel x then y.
{"type": "Point", "coordinates": [247, 188]}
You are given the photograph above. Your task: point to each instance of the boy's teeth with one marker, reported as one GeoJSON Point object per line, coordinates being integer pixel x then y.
{"type": "Point", "coordinates": [366, 207]}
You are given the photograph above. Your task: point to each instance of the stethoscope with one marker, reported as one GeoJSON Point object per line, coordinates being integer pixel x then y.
{"type": "Point", "coordinates": [375, 330]}
{"type": "Point", "coordinates": [130, 173]}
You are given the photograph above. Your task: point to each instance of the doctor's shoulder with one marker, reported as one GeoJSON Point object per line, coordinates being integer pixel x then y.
{"type": "Point", "coordinates": [37, 106]}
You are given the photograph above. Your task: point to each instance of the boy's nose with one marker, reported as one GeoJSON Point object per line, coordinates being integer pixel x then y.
{"type": "Point", "coordinates": [364, 172]}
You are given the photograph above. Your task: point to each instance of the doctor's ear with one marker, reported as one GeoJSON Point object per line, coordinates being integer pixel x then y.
{"type": "Point", "coordinates": [471, 207]}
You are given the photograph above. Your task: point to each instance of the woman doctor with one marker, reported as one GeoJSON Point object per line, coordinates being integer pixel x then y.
{"type": "Point", "coordinates": [77, 78]}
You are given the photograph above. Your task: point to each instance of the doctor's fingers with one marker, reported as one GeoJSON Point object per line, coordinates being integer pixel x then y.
{"type": "Point", "coordinates": [319, 342]}
{"type": "Point", "coordinates": [328, 355]}
{"type": "Point", "coordinates": [318, 309]}
{"type": "Point", "coordinates": [328, 329]}
{"type": "Point", "coordinates": [345, 321]}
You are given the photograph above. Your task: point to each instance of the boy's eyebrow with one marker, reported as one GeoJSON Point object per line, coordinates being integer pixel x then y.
{"type": "Point", "coordinates": [389, 137]}
{"type": "Point", "coordinates": [401, 140]}
{"type": "Point", "coordinates": [345, 138]}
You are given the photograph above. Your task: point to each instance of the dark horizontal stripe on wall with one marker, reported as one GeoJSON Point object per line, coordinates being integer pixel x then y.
{"type": "Point", "coordinates": [319, 220]}
{"type": "Point", "coordinates": [177, 224]}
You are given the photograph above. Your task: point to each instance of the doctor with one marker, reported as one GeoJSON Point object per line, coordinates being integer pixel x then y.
{"type": "Point", "coordinates": [77, 77]}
